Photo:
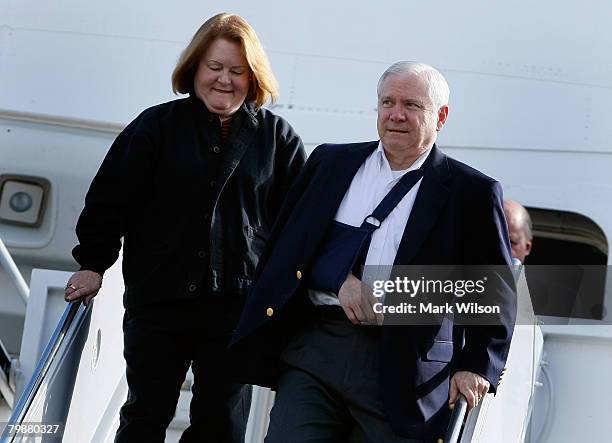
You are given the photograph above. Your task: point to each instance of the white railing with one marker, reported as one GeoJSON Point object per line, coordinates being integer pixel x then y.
{"type": "Point", "coordinates": [13, 272]}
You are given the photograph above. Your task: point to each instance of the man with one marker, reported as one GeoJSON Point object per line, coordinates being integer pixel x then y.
{"type": "Point", "coordinates": [338, 380]}
{"type": "Point", "coordinates": [519, 229]}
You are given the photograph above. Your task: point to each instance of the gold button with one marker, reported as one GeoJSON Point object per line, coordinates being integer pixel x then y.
{"type": "Point", "coordinates": [298, 274]}
{"type": "Point", "coordinates": [269, 312]}
{"type": "Point", "coordinates": [440, 440]}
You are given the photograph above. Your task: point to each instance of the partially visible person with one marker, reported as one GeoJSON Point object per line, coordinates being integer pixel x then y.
{"type": "Point", "coordinates": [519, 229]}
{"type": "Point", "coordinates": [554, 290]}
{"type": "Point", "coordinates": [193, 187]}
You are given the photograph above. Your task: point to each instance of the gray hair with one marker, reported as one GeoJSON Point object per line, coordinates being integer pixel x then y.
{"type": "Point", "coordinates": [439, 91]}
{"type": "Point", "coordinates": [520, 215]}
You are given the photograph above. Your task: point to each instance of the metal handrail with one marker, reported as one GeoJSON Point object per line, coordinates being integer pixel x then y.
{"type": "Point", "coordinates": [12, 270]}
{"type": "Point", "coordinates": [73, 314]}
{"type": "Point", "coordinates": [6, 390]}
{"type": "Point", "coordinates": [453, 430]}
{"type": "Point", "coordinates": [456, 420]}
{"type": "Point", "coordinates": [5, 361]}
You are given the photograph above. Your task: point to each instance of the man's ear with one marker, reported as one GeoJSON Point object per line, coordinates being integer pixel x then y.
{"type": "Point", "coordinates": [528, 244]}
{"type": "Point", "coordinates": [442, 116]}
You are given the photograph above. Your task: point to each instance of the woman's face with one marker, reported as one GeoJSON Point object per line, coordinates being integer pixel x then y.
{"type": "Point", "coordinates": [222, 78]}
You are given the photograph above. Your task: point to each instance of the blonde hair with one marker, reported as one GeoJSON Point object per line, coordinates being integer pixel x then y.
{"type": "Point", "coordinates": [262, 86]}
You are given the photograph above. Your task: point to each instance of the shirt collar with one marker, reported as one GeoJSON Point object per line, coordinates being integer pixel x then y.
{"type": "Point", "coordinates": [385, 167]}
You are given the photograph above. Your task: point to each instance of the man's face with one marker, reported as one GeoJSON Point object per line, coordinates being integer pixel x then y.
{"type": "Point", "coordinates": [407, 120]}
{"type": "Point", "coordinates": [521, 245]}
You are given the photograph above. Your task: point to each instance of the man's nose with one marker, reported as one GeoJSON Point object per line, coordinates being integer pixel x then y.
{"type": "Point", "coordinates": [397, 114]}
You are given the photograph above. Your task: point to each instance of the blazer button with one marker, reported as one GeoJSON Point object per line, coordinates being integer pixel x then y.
{"type": "Point", "coordinates": [440, 440]}
{"type": "Point", "coordinates": [216, 149]}
{"type": "Point", "coordinates": [192, 287]}
{"type": "Point", "coordinates": [298, 274]}
{"type": "Point", "coordinates": [269, 312]}
{"type": "Point", "coordinates": [201, 254]}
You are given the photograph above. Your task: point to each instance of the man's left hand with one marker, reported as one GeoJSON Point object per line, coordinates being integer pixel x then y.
{"type": "Point", "coordinates": [358, 302]}
{"type": "Point", "coordinates": [472, 386]}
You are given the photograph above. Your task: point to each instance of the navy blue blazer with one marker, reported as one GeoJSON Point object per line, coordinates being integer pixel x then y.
{"type": "Point", "coordinates": [457, 219]}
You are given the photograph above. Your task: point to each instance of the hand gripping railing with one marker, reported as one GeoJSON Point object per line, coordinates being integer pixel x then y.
{"type": "Point", "coordinates": [453, 431]}
{"type": "Point", "coordinates": [58, 344]}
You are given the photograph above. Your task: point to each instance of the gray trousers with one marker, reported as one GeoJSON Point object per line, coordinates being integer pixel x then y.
{"type": "Point", "coordinates": [330, 389]}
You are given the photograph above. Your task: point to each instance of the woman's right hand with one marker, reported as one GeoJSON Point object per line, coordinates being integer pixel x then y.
{"type": "Point", "coordinates": [83, 285]}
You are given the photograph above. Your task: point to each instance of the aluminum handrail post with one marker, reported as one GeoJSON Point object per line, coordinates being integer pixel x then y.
{"type": "Point", "coordinates": [12, 270]}
{"type": "Point", "coordinates": [456, 420]}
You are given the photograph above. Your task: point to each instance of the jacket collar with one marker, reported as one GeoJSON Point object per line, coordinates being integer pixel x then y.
{"type": "Point", "coordinates": [345, 167]}
{"type": "Point", "coordinates": [336, 177]}
{"type": "Point", "coordinates": [429, 202]}
{"type": "Point", "coordinates": [247, 109]}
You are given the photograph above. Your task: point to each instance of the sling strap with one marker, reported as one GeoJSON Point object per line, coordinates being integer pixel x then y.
{"type": "Point", "coordinates": [344, 247]}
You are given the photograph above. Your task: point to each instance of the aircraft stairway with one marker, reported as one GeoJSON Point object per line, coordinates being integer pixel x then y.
{"type": "Point", "coordinates": [503, 418]}
{"type": "Point", "coordinates": [9, 326]}
{"type": "Point", "coordinates": [45, 400]}
{"type": "Point", "coordinates": [74, 370]}
{"type": "Point", "coordinates": [506, 416]}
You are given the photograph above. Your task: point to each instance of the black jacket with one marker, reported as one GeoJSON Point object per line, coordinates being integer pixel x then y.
{"type": "Point", "coordinates": [194, 212]}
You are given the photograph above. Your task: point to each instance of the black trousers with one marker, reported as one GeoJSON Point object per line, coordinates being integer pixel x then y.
{"type": "Point", "coordinates": [160, 344]}
{"type": "Point", "coordinates": [329, 391]}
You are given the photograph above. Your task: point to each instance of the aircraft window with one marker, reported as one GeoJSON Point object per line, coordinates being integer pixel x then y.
{"type": "Point", "coordinates": [566, 270]}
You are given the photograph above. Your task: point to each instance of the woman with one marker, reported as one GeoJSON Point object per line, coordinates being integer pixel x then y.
{"type": "Point", "coordinates": [193, 186]}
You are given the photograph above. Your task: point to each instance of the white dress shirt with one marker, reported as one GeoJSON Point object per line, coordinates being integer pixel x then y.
{"type": "Point", "coordinates": [373, 181]}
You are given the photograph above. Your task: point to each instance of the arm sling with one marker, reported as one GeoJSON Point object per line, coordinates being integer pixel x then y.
{"type": "Point", "coordinates": [345, 247]}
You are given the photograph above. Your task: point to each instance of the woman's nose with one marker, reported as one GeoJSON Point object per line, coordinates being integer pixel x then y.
{"type": "Point", "coordinates": [224, 77]}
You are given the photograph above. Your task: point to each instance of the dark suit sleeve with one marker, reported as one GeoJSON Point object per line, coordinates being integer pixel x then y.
{"type": "Point", "coordinates": [118, 187]}
{"type": "Point", "coordinates": [293, 194]}
{"type": "Point", "coordinates": [486, 346]}
{"type": "Point", "coordinates": [288, 163]}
